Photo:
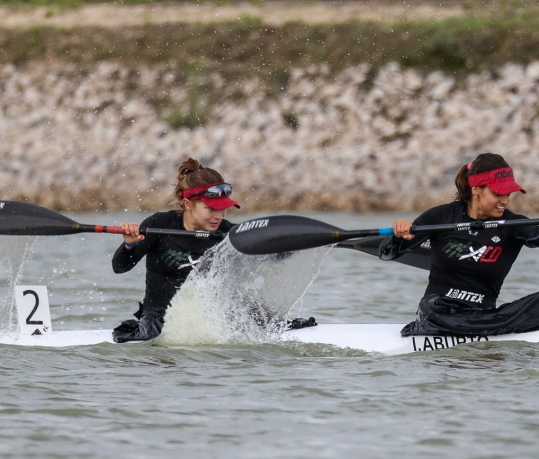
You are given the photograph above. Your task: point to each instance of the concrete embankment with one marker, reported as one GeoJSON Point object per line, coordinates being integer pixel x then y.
{"type": "Point", "coordinates": [387, 140]}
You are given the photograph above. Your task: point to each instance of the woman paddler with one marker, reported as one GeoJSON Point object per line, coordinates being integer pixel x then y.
{"type": "Point", "coordinates": [202, 197]}
{"type": "Point", "coordinates": [468, 267]}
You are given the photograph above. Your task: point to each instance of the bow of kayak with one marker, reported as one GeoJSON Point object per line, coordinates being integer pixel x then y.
{"type": "Point", "coordinates": [60, 338]}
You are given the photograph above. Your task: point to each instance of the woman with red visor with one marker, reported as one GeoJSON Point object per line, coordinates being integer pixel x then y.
{"type": "Point", "coordinates": [203, 198]}
{"type": "Point", "coordinates": [468, 267]}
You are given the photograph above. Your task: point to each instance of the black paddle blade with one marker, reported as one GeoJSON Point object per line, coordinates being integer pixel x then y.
{"type": "Point", "coordinates": [281, 233]}
{"type": "Point", "coordinates": [418, 257]}
{"type": "Point", "coordinates": [23, 219]}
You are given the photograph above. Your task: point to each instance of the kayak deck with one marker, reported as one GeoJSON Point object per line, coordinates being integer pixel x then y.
{"type": "Point", "coordinates": [376, 338]}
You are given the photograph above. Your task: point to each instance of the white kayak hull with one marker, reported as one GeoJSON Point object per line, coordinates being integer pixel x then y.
{"type": "Point", "coordinates": [377, 338]}
{"type": "Point", "coordinates": [386, 338]}
{"type": "Point", "coordinates": [60, 338]}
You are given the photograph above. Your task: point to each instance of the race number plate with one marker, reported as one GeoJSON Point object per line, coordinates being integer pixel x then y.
{"type": "Point", "coordinates": [33, 309]}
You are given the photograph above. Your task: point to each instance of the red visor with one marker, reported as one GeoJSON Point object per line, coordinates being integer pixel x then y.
{"type": "Point", "coordinates": [218, 203]}
{"type": "Point", "coordinates": [500, 181]}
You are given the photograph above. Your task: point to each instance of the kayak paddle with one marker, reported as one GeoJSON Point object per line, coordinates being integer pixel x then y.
{"type": "Point", "coordinates": [24, 219]}
{"type": "Point", "coordinates": [286, 233]}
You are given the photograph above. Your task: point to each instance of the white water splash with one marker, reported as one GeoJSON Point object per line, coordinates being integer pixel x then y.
{"type": "Point", "coordinates": [234, 298]}
{"type": "Point", "coordinates": [14, 251]}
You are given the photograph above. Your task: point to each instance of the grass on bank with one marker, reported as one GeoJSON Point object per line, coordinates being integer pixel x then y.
{"type": "Point", "coordinates": [471, 5]}
{"type": "Point", "coordinates": [245, 49]}
{"type": "Point", "coordinates": [466, 3]}
{"type": "Point", "coordinates": [245, 46]}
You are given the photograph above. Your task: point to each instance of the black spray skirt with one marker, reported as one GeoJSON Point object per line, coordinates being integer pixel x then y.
{"type": "Point", "coordinates": [439, 315]}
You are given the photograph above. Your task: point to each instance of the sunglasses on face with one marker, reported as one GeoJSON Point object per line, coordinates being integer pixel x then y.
{"type": "Point", "coordinates": [216, 191]}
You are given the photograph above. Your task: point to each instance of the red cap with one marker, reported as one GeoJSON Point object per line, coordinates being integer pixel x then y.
{"type": "Point", "coordinates": [500, 181]}
{"type": "Point", "coordinates": [220, 203]}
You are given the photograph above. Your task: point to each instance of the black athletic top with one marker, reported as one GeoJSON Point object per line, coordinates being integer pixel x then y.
{"type": "Point", "coordinates": [470, 265]}
{"type": "Point", "coordinates": [169, 259]}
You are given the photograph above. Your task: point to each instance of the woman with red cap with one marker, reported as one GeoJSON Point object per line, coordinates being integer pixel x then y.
{"type": "Point", "coordinates": [468, 267]}
{"type": "Point", "coordinates": [203, 198]}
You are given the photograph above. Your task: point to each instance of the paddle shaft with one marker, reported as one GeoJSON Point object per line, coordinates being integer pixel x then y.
{"type": "Point", "coordinates": [468, 226]}
{"type": "Point", "coordinates": [82, 228]}
{"type": "Point", "coordinates": [475, 225]}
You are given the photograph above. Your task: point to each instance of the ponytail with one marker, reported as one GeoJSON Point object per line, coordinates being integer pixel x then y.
{"type": "Point", "coordinates": [464, 192]}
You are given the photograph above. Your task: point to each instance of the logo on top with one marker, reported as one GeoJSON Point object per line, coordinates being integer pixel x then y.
{"type": "Point", "coordinates": [503, 174]}
{"type": "Point", "coordinates": [465, 295]}
{"type": "Point", "coordinates": [465, 251]}
{"type": "Point", "coordinates": [253, 224]}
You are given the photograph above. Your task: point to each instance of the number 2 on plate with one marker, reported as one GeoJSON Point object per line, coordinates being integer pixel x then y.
{"type": "Point", "coordinates": [33, 309]}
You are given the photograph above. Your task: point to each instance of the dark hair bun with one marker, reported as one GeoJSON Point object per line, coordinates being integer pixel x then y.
{"type": "Point", "coordinates": [189, 166]}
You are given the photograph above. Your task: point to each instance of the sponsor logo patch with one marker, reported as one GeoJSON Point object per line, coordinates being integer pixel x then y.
{"type": "Point", "coordinates": [176, 260]}
{"type": "Point", "coordinates": [465, 251]}
{"type": "Point", "coordinates": [504, 174]}
{"type": "Point", "coordinates": [493, 224]}
{"type": "Point", "coordinates": [486, 254]}
{"type": "Point", "coordinates": [465, 295]}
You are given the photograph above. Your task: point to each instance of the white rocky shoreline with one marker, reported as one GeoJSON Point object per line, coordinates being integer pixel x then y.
{"type": "Point", "coordinates": [78, 140]}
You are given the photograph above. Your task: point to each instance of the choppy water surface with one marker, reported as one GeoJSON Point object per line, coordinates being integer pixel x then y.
{"type": "Point", "coordinates": [260, 400]}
